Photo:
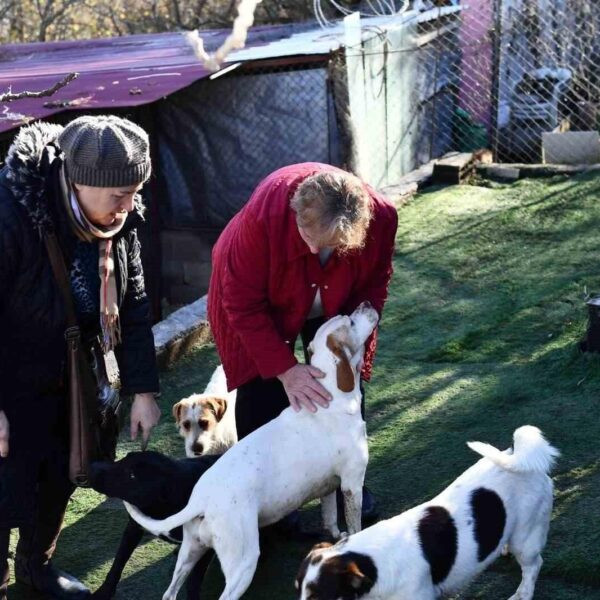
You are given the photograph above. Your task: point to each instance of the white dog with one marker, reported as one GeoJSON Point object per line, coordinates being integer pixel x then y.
{"type": "Point", "coordinates": [207, 421]}
{"type": "Point", "coordinates": [293, 459]}
{"type": "Point", "coordinates": [435, 549]}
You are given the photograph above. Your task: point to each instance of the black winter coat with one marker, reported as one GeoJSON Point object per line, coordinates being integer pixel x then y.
{"type": "Point", "coordinates": [32, 316]}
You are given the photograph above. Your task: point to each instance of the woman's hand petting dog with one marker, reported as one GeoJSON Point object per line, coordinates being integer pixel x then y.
{"type": "Point", "coordinates": [303, 389]}
{"type": "Point", "coordinates": [4, 431]}
{"type": "Point", "coordinates": [145, 415]}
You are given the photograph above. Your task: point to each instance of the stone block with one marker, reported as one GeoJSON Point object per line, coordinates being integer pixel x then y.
{"type": "Point", "coordinates": [571, 148]}
{"type": "Point", "coordinates": [180, 331]}
{"type": "Point", "coordinates": [502, 173]}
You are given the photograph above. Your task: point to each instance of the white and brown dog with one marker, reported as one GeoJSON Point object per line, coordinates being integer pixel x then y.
{"type": "Point", "coordinates": [502, 502]}
{"type": "Point", "coordinates": [292, 459]}
{"type": "Point", "coordinates": [207, 421]}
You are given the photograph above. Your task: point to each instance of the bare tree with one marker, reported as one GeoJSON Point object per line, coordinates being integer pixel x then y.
{"type": "Point", "coordinates": [50, 13]}
{"type": "Point", "coordinates": [43, 20]}
{"type": "Point", "coordinates": [5, 7]}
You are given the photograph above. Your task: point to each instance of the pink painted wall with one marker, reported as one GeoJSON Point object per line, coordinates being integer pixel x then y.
{"type": "Point", "coordinates": [476, 67]}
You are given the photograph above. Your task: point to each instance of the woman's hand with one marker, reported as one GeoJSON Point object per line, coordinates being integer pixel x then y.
{"type": "Point", "coordinates": [145, 415]}
{"type": "Point", "coordinates": [303, 389]}
{"type": "Point", "coordinates": [4, 435]}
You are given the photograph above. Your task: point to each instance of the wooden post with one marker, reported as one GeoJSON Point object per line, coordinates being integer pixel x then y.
{"type": "Point", "coordinates": [591, 342]}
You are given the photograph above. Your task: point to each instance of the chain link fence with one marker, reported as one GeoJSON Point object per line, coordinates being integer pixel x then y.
{"type": "Point", "coordinates": [548, 80]}
{"type": "Point", "coordinates": [216, 140]}
{"type": "Point", "coordinates": [462, 76]}
{"type": "Point", "coordinates": [445, 75]}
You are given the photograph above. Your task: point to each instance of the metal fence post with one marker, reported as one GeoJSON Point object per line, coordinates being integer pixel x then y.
{"type": "Point", "coordinates": [496, 74]}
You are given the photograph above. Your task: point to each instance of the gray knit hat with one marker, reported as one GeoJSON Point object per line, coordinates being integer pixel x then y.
{"type": "Point", "coordinates": [105, 151]}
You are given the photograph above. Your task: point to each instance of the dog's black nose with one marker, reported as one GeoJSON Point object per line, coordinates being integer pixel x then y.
{"type": "Point", "coordinates": [197, 449]}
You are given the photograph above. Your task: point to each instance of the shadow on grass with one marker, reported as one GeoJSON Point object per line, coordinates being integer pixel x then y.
{"type": "Point", "coordinates": [478, 338]}
{"type": "Point", "coordinates": [470, 225]}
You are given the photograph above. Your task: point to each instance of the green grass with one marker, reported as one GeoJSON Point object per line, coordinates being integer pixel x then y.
{"type": "Point", "coordinates": [479, 337]}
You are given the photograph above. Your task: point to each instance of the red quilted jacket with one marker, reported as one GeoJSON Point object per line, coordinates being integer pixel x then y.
{"type": "Point", "coordinates": [265, 278]}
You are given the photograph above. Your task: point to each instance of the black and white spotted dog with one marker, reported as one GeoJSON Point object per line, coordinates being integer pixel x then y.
{"type": "Point", "coordinates": [435, 549]}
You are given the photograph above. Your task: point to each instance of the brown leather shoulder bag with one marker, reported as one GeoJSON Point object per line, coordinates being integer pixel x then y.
{"type": "Point", "coordinates": [94, 405]}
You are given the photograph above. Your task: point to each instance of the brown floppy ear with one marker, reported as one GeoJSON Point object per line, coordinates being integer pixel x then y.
{"type": "Point", "coordinates": [217, 406]}
{"type": "Point", "coordinates": [345, 374]}
{"type": "Point", "coordinates": [357, 577]}
{"type": "Point", "coordinates": [321, 546]}
{"type": "Point", "coordinates": [310, 559]}
{"type": "Point", "coordinates": [177, 408]}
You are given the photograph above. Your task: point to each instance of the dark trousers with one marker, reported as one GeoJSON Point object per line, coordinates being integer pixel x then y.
{"type": "Point", "coordinates": [37, 539]}
{"type": "Point", "coordinates": [4, 571]}
{"type": "Point", "coordinates": [34, 482]}
{"type": "Point", "coordinates": [261, 400]}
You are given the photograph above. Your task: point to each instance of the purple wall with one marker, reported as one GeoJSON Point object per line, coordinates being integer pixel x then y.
{"type": "Point", "coordinates": [477, 69]}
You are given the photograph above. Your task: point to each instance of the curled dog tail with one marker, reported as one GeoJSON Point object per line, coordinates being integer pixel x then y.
{"type": "Point", "coordinates": [218, 383]}
{"type": "Point", "coordinates": [531, 452]}
{"type": "Point", "coordinates": [162, 527]}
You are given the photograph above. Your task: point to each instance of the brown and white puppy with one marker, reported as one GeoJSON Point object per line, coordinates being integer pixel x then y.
{"type": "Point", "coordinates": [207, 421]}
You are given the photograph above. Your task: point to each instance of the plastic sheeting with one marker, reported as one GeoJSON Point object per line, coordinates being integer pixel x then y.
{"type": "Point", "coordinates": [217, 140]}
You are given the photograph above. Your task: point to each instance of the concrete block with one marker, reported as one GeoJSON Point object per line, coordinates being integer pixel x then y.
{"type": "Point", "coordinates": [571, 147]}
{"type": "Point", "coordinates": [180, 331]}
{"type": "Point", "coordinates": [502, 173]}
{"type": "Point", "coordinates": [400, 194]}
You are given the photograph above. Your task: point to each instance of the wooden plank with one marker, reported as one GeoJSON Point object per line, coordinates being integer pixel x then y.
{"type": "Point", "coordinates": [459, 160]}
{"type": "Point", "coordinates": [454, 169]}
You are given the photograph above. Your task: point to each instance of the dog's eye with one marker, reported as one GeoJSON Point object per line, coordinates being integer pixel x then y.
{"type": "Point", "coordinates": [186, 425]}
{"type": "Point", "coordinates": [203, 423]}
{"type": "Point", "coordinates": [132, 475]}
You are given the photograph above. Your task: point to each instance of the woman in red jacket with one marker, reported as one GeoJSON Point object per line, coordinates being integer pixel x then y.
{"type": "Point", "coordinates": [312, 242]}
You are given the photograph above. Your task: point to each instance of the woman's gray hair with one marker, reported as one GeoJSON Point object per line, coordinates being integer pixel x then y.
{"type": "Point", "coordinates": [337, 206]}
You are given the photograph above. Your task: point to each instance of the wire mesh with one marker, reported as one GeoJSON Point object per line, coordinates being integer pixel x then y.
{"type": "Point", "coordinates": [472, 74]}
{"type": "Point", "coordinates": [217, 139]}
{"type": "Point", "coordinates": [548, 78]}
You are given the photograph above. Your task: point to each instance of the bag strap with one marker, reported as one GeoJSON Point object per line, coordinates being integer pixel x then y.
{"type": "Point", "coordinates": [57, 260]}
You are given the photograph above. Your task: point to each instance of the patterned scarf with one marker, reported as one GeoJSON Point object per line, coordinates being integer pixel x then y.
{"type": "Point", "coordinates": [88, 232]}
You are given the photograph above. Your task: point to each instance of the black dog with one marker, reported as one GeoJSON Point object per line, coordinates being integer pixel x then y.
{"type": "Point", "coordinates": [159, 486]}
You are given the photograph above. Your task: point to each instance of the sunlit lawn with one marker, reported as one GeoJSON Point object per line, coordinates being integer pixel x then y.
{"type": "Point", "coordinates": [479, 337]}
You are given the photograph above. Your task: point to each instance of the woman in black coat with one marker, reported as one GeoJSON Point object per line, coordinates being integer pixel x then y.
{"type": "Point", "coordinates": [80, 182]}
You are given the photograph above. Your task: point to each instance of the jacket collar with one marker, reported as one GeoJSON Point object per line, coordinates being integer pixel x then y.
{"type": "Point", "coordinates": [25, 172]}
{"type": "Point", "coordinates": [296, 246]}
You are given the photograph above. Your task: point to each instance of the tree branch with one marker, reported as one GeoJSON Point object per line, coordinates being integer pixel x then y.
{"type": "Point", "coordinates": [9, 96]}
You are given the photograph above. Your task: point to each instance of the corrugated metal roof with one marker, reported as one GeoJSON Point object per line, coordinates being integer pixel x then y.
{"type": "Point", "coordinates": [138, 69]}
